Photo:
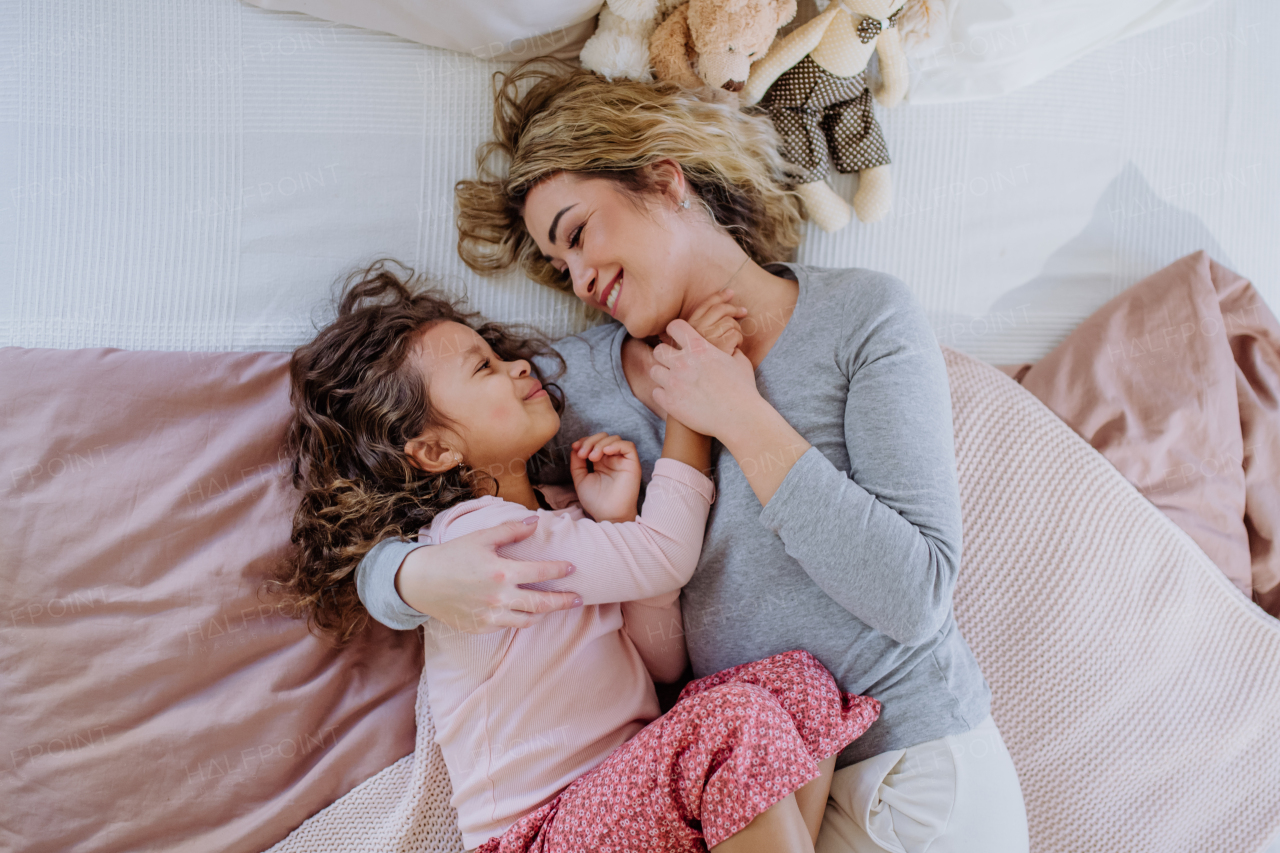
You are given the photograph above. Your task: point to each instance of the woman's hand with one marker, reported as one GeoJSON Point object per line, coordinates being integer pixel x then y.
{"type": "Point", "coordinates": [704, 388]}
{"type": "Point", "coordinates": [716, 320]}
{"type": "Point", "coordinates": [610, 492]}
{"type": "Point", "coordinates": [466, 585]}
{"type": "Point", "coordinates": [716, 395]}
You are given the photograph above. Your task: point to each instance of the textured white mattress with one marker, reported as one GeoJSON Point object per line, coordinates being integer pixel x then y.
{"type": "Point", "coordinates": [198, 176]}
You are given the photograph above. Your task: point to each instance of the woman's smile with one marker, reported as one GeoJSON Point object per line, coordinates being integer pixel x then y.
{"type": "Point", "coordinates": [609, 298]}
{"type": "Point", "coordinates": [608, 242]}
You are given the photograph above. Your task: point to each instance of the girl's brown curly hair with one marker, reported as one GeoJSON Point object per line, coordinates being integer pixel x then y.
{"type": "Point", "coordinates": [357, 401]}
{"type": "Point", "coordinates": [552, 117]}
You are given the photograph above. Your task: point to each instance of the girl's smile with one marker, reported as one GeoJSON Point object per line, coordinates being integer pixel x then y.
{"type": "Point", "coordinates": [499, 408]}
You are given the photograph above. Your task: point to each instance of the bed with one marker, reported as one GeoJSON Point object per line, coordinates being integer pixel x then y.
{"type": "Point", "coordinates": [194, 179]}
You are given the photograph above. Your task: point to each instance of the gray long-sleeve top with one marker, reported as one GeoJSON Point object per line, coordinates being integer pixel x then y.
{"type": "Point", "coordinates": [856, 555]}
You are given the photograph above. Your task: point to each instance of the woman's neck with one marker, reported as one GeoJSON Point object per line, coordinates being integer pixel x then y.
{"type": "Point", "coordinates": [768, 298]}
{"type": "Point", "coordinates": [770, 301]}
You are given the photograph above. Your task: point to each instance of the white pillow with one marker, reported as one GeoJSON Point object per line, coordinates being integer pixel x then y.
{"type": "Point", "coordinates": [497, 29]}
{"type": "Point", "coordinates": [996, 46]}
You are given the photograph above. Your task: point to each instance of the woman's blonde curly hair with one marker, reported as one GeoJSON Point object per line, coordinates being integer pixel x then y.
{"type": "Point", "coordinates": [551, 117]}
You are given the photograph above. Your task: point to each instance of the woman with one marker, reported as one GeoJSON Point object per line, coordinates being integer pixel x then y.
{"type": "Point", "coordinates": [836, 527]}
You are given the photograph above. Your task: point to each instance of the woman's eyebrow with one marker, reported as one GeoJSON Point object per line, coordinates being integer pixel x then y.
{"type": "Point", "coordinates": [556, 221]}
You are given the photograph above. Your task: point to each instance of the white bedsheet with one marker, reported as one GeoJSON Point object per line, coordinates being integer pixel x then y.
{"type": "Point", "coordinates": [198, 175]}
{"type": "Point", "coordinates": [990, 47]}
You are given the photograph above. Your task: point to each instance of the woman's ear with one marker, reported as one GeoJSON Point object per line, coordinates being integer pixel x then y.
{"type": "Point", "coordinates": [428, 453]}
{"type": "Point", "coordinates": [667, 180]}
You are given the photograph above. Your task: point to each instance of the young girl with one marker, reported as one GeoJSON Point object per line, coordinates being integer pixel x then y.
{"type": "Point", "coordinates": [414, 417]}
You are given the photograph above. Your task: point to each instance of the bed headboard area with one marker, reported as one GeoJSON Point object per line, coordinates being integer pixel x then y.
{"type": "Point", "coordinates": [197, 176]}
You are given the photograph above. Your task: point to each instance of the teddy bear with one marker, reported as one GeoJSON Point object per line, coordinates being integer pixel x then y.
{"type": "Point", "coordinates": [713, 43]}
{"type": "Point", "coordinates": [813, 83]}
{"type": "Point", "coordinates": [619, 48]}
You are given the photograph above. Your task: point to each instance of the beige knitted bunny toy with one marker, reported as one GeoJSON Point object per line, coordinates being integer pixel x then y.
{"type": "Point", "coordinates": [813, 83]}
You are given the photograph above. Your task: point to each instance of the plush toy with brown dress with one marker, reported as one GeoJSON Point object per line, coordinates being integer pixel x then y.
{"type": "Point", "coordinates": [813, 82]}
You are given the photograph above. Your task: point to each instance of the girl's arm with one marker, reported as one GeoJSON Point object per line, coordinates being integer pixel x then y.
{"type": "Point", "coordinates": [613, 561]}
{"type": "Point", "coordinates": [655, 625]}
{"type": "Point", "coordinates": [476, 585]}
{"type": "Point", "coordinates": [685, 445]}
{"type": "Point", "coordinates": [656, 629]}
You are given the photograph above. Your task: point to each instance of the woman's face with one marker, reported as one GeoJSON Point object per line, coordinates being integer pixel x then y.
{"type": "Point", "coordinates": [626, 257]}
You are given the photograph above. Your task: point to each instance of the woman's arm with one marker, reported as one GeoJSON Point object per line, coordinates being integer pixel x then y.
{"type": "Point", "coordinates": [884, 540]}
{"type": "Point", "coordinates": [464, 583]}
{"type": "Point", "coordinates": [717, 393]}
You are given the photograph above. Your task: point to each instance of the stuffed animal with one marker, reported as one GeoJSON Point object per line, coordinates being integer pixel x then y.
{"type": "Point", "coordinates": [619, 48]}
{"type": "Point", "coordinates": [813, 82]}
{"type": "Point", "coordinates": [713, 43]}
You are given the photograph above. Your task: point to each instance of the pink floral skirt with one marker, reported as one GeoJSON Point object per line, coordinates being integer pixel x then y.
{"type": "Point", "coordinates": [734, 744]}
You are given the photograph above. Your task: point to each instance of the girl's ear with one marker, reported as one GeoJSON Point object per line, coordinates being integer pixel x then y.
{"type": "Point", "coordinates": [428, 453]}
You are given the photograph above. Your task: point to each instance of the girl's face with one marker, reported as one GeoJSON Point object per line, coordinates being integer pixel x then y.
{"type": "Point", "coordinates": [626, 258]}
{"type": "Point", "coordinates": [502, 414]}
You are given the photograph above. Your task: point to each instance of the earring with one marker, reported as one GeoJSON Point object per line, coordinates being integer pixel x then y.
{"type": "Point", "coordinates": [685, 204]}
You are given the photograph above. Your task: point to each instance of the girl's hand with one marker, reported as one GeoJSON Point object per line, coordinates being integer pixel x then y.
{"type": "Point", "coordinates": [610, 492]}
{"type": "Point", "coordinates": [705, 389]}
{"type": "Point", "coordinates": [716, 320]}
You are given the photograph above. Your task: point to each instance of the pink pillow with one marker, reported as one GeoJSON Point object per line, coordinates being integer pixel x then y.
{"type": "Point", "coordinates": [1176, 382]}
{"type": "Point", "coordinates": [152, 699]}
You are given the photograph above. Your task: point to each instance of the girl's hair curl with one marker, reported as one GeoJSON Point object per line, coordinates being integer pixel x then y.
{"type": "Point", "coordinates": [356, 402]}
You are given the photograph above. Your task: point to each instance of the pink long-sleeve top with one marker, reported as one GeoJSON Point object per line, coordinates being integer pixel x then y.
{"type": "Point", "coordinates": [521, 713]}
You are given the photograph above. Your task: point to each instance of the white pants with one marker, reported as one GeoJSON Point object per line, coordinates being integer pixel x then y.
{"type": "Point", "coordinates": [956, 794]}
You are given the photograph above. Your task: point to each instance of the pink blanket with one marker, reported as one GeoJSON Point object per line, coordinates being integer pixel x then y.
{"type": "Point", "coordinates": [152, 699]}
{"type": "Point", "coordinates": [1176, 381]}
